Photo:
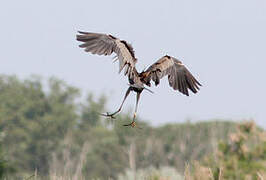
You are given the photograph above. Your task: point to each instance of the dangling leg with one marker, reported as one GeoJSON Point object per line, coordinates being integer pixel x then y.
{"type": "Point", "coordinates": [112, 114]}
{"type": "Point", "coordinates": [133, 123]}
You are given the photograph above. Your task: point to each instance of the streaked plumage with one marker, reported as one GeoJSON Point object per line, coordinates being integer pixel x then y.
{"type": "Point", "coordinates": [103, 44]}
{"type": "Point", "coordinates": [178, 75]}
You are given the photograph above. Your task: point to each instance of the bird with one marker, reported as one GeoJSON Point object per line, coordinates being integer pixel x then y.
{"type": "Point", "coordinates": [179, 77]}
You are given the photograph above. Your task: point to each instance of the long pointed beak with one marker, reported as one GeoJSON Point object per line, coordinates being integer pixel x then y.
{"type": "Point", "coordinates": [142, 87]}
{"type": "Point", "coordinates": [149, 90]}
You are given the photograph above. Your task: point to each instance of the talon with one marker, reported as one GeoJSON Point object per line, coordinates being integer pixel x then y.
{"type": "Point", "coordinates": [132, 124]}
{"type": "Point", "coordinates": [108, 115]}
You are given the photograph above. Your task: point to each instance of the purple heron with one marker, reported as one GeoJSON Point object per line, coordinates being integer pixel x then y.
{"type": "Point", "coordinates": [178, 75]}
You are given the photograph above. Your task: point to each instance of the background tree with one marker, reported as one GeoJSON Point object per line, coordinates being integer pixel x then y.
{"type": "Point", "coordinates": [243, 156]}
{"type": "Point", "coordinates": [34, 122]}
{"type": "Point", "coordinates": [46, 128]}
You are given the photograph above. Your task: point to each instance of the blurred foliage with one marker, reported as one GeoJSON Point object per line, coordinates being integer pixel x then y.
{"type": "Point", "coordinates": [243, 156]}
{"type": "Point", "coordinates": [152, 173]}
{"type": "Point", "coordinates": [3, 162]}
{"type": "Point", "coordinates": [47, 129]}
{"type": "Point", "coordinates": [33, 122]}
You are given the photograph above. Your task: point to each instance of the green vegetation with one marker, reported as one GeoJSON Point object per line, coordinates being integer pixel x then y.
{"type": "Point", "coordinates": [244, 156]}
{"type": "Point", "coordinates": [3, 167]}
{"type": "Point", "coordinates": [45, 129]}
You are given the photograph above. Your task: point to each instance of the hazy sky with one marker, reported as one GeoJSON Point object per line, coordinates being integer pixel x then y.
{"type": "Point", "coordinates": [223, 43]}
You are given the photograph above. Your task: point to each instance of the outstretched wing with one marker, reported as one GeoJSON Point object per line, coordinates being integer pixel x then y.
{"type": "Point", "coordinates": [178, 75]}
{"type": "Point", "coordinates": [103, 44]}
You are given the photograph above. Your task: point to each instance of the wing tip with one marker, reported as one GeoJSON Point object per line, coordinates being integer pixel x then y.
{"type": "Point", "coordinates": [199, 84]}
{"type": "Point", "coordinates": [82, 32]}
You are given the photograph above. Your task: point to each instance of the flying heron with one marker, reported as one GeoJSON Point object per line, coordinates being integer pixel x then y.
{"type": "Point", "coordinates": [179, 76]}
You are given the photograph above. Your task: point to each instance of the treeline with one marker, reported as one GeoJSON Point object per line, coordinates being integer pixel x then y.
{"type": "Point", "coordinates": [48, 131]}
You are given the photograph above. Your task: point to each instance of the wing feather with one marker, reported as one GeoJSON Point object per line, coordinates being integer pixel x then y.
{"type": "Point", "coordinates": [179, 76]}
{"type": "Point", "coordinates": [103, 44]}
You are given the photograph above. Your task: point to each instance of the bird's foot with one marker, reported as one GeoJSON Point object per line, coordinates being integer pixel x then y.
{"type": "Point", "coordinates": [132, 124]}
{"type": "Point", "coordinates": [109, 115]}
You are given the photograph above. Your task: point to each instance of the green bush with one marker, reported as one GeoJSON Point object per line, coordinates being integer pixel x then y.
{"type": "Point", "coordinates": [243, 156]}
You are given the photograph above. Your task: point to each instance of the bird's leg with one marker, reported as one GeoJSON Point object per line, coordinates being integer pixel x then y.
{"type": "Point", "coordinates": [133, 123]}
{"type": "Point", "coordinates": [112, 114]}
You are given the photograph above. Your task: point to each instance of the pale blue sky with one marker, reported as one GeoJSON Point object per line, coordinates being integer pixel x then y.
{"type": "Point", "coordinates": [223, 43]}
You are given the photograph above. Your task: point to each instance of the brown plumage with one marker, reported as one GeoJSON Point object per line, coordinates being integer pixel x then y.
{"type": "Point", "coordinates": [179, 76]}
{"type": "Point", "coordinates": [103, 44]}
